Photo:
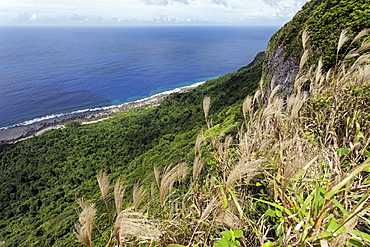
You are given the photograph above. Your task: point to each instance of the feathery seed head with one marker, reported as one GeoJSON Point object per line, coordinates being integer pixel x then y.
{"type": "Point", "coordinates": [85, 226]}
{"type": "Point", "coordinates": [131, 223]}
{"type": "Point", "coordinates": [342, 39]}
{"type": "Point", "coordinates": [206, 106]}
{"type": "Point", "coordinates": [305, 39]}
{"type": "Point", "coordinates": [156, 173]}
{"type": "Point", "coordinates": [103, 184]}
{"type": "Point", "coordinates": [137, 194]}
{"type": "Point", "coordinates": [119, 191]}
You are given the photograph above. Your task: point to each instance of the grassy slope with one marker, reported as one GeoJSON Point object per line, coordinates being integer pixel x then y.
{"type": "Point", "coordinates": [40, 177]}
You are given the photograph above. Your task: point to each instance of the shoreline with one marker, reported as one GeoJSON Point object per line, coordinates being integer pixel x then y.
{"type": "Point", "coordinates": [20, 132]}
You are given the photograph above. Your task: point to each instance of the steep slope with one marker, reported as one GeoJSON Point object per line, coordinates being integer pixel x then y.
{"type": "Point", "coordinates": [41, 176]}
{"type": "Point", "coordinates": [324, 20]}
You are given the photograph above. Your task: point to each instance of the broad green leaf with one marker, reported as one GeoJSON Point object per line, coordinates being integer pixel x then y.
{"type": "Point", "coordinates": [238, 233]}
{"type": "Point", "coordinates": [270, 212]}
{"type": "Point", "coordinates": [175, 245]}
{"type": "Point", "coordinates": [278, 213]}
{"type": "Point", "coordinates": [226, 235]}
{"type": "Point", "coordinates": [224, 242]}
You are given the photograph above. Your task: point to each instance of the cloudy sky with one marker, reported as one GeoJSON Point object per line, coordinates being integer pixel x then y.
{"type": "Point", "coordinates": [110, 12]}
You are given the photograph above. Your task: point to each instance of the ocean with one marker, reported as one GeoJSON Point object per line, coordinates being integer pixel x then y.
{"type": "Point", "coordinates": [46, 71]}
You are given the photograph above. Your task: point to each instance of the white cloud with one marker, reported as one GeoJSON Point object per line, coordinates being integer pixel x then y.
{"type": "Point", "coordinates": [220, 11]}
{"type": "Point", "coordinates": [284, 8]}
{"type": "Point", "coordinates": [164, 2]}
{"type": "Point", "coordinates": [27, 17]}
{"type": "Point", "coordinates": [222, 2]}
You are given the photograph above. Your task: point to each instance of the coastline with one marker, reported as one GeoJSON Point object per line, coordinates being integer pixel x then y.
{"type": "Point", "coordinates": [24, 131]}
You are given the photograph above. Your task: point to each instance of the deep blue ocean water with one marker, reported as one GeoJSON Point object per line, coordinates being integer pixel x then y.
{"type": "Point", "coordinates": [53, 70]}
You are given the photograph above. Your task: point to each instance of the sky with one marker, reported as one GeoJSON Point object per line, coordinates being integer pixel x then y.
{"type": "Point", "coordinates": [123, 12]}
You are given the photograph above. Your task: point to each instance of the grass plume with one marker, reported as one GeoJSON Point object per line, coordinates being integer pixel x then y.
{"type": "Point", "coordinates": [294, 174]}
{"type": "Point", "coordinates": [85, 219]}
{"type": "Point", "coordinates": [119, 191]}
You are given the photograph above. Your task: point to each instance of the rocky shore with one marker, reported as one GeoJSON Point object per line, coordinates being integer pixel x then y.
{"type": "Point", "coordinates": [20, 132]}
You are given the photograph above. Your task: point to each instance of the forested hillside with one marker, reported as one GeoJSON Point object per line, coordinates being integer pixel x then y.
{"type": "Point", "coordinates": [42, 176]}
{"type": "Point", "coordinates": [229, 163]}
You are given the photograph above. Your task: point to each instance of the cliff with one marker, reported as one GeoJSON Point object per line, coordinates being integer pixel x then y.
{"type": "Point", "coordinates": [324, 20]}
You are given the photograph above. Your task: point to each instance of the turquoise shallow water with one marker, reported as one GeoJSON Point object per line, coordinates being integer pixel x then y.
{"type": "Point", "coordinates": [46, 71]}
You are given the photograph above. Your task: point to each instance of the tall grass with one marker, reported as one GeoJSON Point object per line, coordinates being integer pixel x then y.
{"type": "Point", "coordinates": [296, 173]}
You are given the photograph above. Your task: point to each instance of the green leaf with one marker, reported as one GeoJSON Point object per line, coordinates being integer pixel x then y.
{"type": "Point", "coordinates": [238, 233]}
{"type": "Point", "coordinates": [223, 242]}
{"type": "Point", "coordinates": [361, 235]}
{"type": "Point", "coordinates": [339, 231]}
{"type": "Point", "coordinates": [278, 213]}
{"type": "Point", "coordinates": [343, 151]}
{"type": "Point", "coordinates": [175, 245]}
{"type": "Point", "coordinates": [280, 207]}
{"type": "Point", "coordinates": [226, 235]}
{"type": "Point", "coordinates": [340, 206]}
{"type": "Point", "coordinates": [280, 229]}
{"type": "Point", "coordinates": [236, 202]}
{"type": "Point", "coordinates": [269, 244]}
{"type": "Point", "coordinates": [332, 224]}
{"type": "Point", "coordinates": [270, 212]}
{"type": "Point", "coordinates": [353, 174]}
{"type": "Point", "coordinates": [325, 234]}
{"type": "Point", "coordinates": [354, 243]}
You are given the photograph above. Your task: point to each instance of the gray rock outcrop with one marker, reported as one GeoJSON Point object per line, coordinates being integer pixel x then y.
{"type": "Point", "coordinates": [281, 68]}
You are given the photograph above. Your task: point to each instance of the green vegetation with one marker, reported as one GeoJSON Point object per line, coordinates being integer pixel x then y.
{"type": "Point", "coordinates": [42, 176]}
{"type": "Point", "coordinates": [324, 19]}
{"type": "Point", "coordinates": [295, 174]}
{"type": "Point", "coordinates": [223, 159]}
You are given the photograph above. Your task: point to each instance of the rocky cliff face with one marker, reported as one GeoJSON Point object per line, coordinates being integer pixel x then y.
{"type": "Point", "coordinates": [283, 70]}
